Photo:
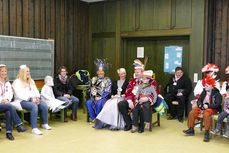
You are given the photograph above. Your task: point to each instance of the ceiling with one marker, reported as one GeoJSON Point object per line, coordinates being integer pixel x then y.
{"type": "Point", "coordinates": [91, 1]}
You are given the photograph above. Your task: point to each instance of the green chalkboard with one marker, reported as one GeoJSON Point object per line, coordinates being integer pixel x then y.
{"type": "Point", "coordinates": [38, 54]}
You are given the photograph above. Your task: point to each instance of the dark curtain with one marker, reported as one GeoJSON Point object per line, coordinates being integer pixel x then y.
{"type": "Point", "coordinates": [217, 34]}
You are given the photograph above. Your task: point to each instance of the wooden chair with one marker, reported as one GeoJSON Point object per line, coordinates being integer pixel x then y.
{"type": "Point", "coordinates": [157, 122]}
{"type": "Point", "coordinates": [61, 115]}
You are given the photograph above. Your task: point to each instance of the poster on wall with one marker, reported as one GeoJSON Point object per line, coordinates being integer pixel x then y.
{"type": "Point", "coordinates": [172, 58]}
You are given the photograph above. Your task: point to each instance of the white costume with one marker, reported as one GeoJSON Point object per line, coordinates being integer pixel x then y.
{"type": "Point", "coordinates": [6, 91]}
{"type": "Point", "coordinates": [48, 97]}
{"type": "Point", "coordinates": [111, 115]}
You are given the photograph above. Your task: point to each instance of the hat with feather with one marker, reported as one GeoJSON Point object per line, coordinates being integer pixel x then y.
{"type": "Point", "coordinates": [101, 64]}
{"type": "Point", "coordinates": [138, 64]}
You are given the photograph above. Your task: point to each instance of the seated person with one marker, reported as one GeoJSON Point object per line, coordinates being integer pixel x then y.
{"type": "Point", "coordinates": [100, 90]}
{"type": "Point", "coordinates": [180, 87]}
{"type": "Point", "coordinates": [47, 96]}
{"type": "Point", "coordinates": [225, 114]}
{"type": "Point", "coordinates": [207, 69]}
{"type": "Point", "coordinates": [63, 90]}
{"type": "Point", "coordinates": [6, 95]}
{"type": "Point", "coordinates": [146, 96]}
{"type": "Point", "coordinates": [27, 96]}
{"type": "Point", "coordinates": [110, 114]}
{"type": "Point", "coordinates": [128, 103]}
{"type": "Point", "coordinates": [208, 104]}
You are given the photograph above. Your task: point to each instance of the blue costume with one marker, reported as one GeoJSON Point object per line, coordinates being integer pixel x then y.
{"type": "Point", "coordinates": [101, 87]}
{"type": "Point", "coordinates": [100, 91]}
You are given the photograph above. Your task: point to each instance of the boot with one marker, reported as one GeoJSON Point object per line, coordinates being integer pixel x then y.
{"type": "Point", "coordinates": [217, 130]}
{"type": "Point", "coordinates": [9, 136]}
{"type": "Point", "coordinates": [147, 125]}
{"type": "Point", "coordinates": [98, 124]}
{"type": "Point", "coordinates": [206, 136]}
{"type": "Point", "coordinates": [134, 129]}
{"type": "Point", "coordinates": [65, 115]}
{"type": "Point", "coordinates": [189, 132]}
{"type": "Point", "coordinates": [73, 117]}
{"type": "Point", "coordinates": [21, 128]}
{"type": "Point", "coordinates": [127, 127]}
{"type": "Point", "coordinates": [226, 134]}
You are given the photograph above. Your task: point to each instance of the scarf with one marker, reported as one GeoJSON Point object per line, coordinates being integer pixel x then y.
{"type": "Point", "coordinates": [63, 79]}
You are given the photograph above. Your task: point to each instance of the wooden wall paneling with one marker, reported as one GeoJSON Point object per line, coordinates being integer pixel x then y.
{"type": "Point", "coordinates": [147, 15]}
{"type": "Point", "coordinates": [162, 14]}
{"type": "Point", "coordinates": [97, 52]}
{"type": "Point", "coordinates": [31, 19]}
{"type": "Point", "coordinates": [97, 13]}
{"type": "Point", "coordinates": [109, 53]}
{"type": "Point", "coordinates": [42, 18]}
{"type": "Point", "coordinates": [218, 32]}
{"type": "Point", "coordinates": [69, 35]}
{"type": "Point", "coordinates": [84, 7]}
{"type": "Point", "coordinates": [1, 16]}
{"type": "Point", "coordinates": [109, 17]}
{"type": "Point", "coordinates": [47, 19]}
{"type": "Point", "coordinates": [196, 39]}
{"type": "Point", "coordinates": [13, 17]}
{"type": "Point", "coordinates": [62, 33]}
{"type": "Point", "coordinates": [37, 18]}
{"type": "Point", "coordinates": [82, 35]}
{"type": "Point", "coordinates": [90, 57]}
{"type": "Point", "coordinates": [53, 20]}
{"type": "Point", "coordinates": [183, 13]}
{"type": "Point", "coordinates": [6, 17]}
{"type": "Point", "coordinates": [117, 36]}
{"type": "Point", "coordinates": [25, 25]}
{"type": "Point", "coordinates": [19, 17]}
{"type": "Point", "coordinates": [225, 32]}
{"type": "Point", "coordinates": [76, 35]}
{"type": "Point", "coordinates": [227, 52]}
{"type": "Point", "coordinates": [128, 15]}
{"type": "Point", "coordinates": [58, 58]}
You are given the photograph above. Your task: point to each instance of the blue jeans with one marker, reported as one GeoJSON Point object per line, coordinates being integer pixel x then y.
{"type": "Point", "coordinates": [33, 109]}
{"type": "Point", "coordinates": [94, 107]}
{"type": "Point", "coordinates": [75, 103]}
{"type": "Point", "coordinates": [11, 115]}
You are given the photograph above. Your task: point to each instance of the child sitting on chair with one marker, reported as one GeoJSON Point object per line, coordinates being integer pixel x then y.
{"type": "Point", "coordinates": [225, 113]}
{"type": "Point", "coordinates": [146, 96]}
{"type": "Point", "coordinates": [47, 96]}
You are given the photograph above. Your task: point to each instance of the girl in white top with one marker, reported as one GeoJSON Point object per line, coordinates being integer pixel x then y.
{"type": "Point", "coordinates": [27, 95]}
{"type": "Point", "coordinates": [6, 95]}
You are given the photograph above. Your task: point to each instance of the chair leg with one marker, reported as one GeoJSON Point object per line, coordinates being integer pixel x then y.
{"type": "Point", "coordinates": [201, 124]}
{"type": "Point", "coordinates": [87, 117]}
{"type": "Point", "coordinates": [158, 119]}
{"type": "Point", "coordinates": [151, 123]}
{"type": "Point", "coordinates": [62, 115]}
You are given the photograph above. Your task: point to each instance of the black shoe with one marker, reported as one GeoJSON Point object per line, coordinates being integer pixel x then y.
{"type": "Point", "coordinates": [171, 118]}
{"type": "Point", "coordinates": [180, 120]}
{"type": "Point", "coordinates": [127, 128]}
{"type": "Point", "coordinates": [206, 137]}
{"type": "Point", "coordinates": [9, 136]}
{"type": "Point", "coordinates": [189, 132]}
{"type": "Point", "coordinates": [141, 128]}
{"type": "Point", "coordinates": [73, 117]}
{"type": "Point", "coordinates": [21, 128]}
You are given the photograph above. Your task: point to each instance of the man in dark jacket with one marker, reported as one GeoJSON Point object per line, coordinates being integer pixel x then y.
{"type": "Point", "coordinates": [63, 90]}
{"type": "Point", "coordinates": [208, 104]}
{"type": "Point", "coordinates": [179, 88]}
